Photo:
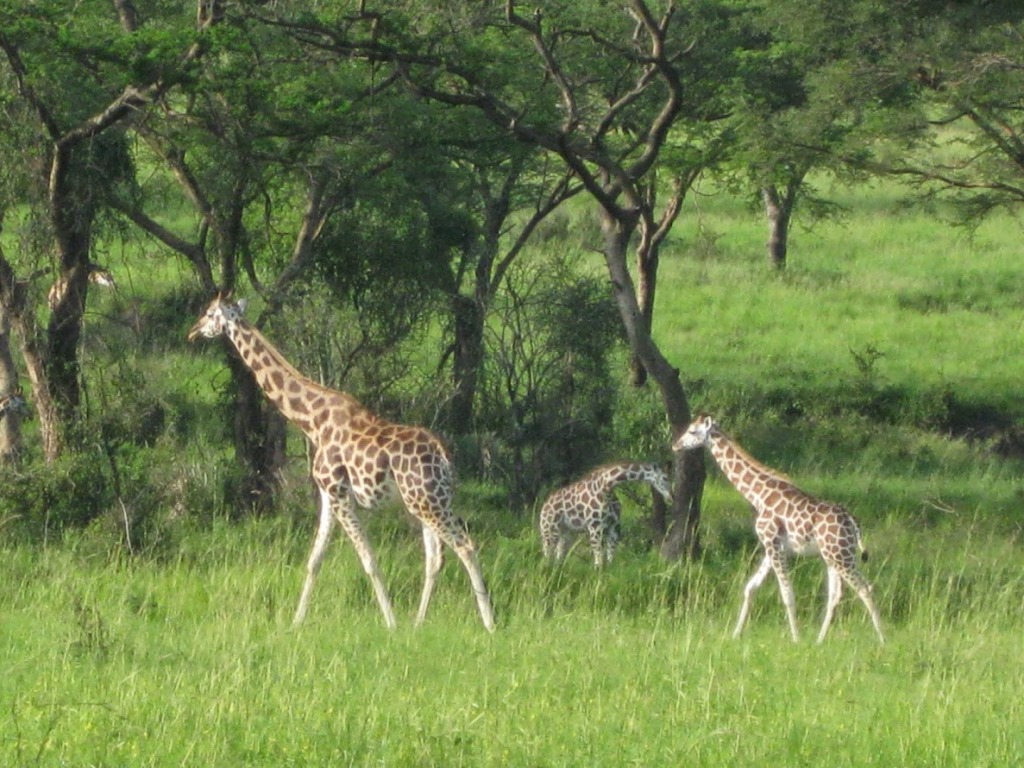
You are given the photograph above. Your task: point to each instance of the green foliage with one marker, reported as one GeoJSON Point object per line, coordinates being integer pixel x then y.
{"type": "Point", "coordinates": [881, 371]}
{"type": "Point", "coordinates": [44, 500]}
{"type": "Point", "coordinates": [547, 389]}
{"type": "Point", "coordinates": [369, 347]}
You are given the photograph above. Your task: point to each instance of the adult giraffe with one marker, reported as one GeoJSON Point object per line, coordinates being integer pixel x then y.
{"type": "Point", "coordinates": [359, 459]}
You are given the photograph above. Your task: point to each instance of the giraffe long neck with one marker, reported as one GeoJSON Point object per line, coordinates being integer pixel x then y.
{"type": "Point", "coordinates": [752, 479]}
{"type": "Point", "coordinates": [612, 475]}
{"type": "Point", "coordinates": [298, 398]}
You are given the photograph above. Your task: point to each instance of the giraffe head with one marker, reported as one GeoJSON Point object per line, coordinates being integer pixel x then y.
{"type": "Point", "coordinates": [14, 402]}
{"type": "Point", "coordinates": [696, 434]}
{"type": "Point", "coordinates": [659, 481]}
{"type": "Point", "coordinates": [221, 313]}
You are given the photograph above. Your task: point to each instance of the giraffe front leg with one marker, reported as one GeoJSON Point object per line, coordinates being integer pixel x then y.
{"type": "Point", "coordinates": [596, 535]}
{"type": "Point", "coordinates": [434, 557]}
{"type": "Point", "coordinates": [612, 530]}
{"type": "Point", "coordinates": [316, 555]}
{"type": "Point", "coordinates": [835, 591]}
{"type": "Point", "coordinates": [748, 593]}
{"type": "Point", "coordinates": [344, 510]}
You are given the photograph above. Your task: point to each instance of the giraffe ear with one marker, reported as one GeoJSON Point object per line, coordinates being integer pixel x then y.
{"type": "Point", "coordinates": [242, 304]}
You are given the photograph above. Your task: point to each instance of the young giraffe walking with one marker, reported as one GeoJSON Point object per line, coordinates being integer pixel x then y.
{"type": "Point", "coordinates": [788, 521]}
{"type": "Point", "coordinates": [359, 458]}
{"type": "Point", "coordinates": [589, 505]}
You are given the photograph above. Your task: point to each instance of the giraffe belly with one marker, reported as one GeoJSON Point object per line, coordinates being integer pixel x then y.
{"type": "Point", "coordinates": [800, 545]}
{"type": "Point", "coordinates": [369, 495]}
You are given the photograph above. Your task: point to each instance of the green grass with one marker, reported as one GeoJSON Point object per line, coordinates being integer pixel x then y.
{"type": "Point", "coordinates": [942, 308]}
{"type": "Point", "coordinates": [194, 662]}
{"type": "Point", "coordinates": [881, 370]}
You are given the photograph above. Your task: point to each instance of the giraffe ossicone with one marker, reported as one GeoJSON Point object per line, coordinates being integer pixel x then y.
{"type": "Point", "coordinates": [358, 459]}
{"type": "Point", "coordinates": [589, 505]}
{"type": "Point", "coordinates": [788, 521]}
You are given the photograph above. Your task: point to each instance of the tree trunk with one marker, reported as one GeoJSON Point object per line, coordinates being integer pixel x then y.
{"type": "Point", "coordinates": [260, 441]}
{"type": "Point", "coordinates": [50, 431]}
{"type": "Point", "coordinates": [466, 360]}
{"type": "Point", "coordinates": [682, 536]}
{"type": "Point", "coordinates": [63, 334]}
{"type": "Point", "coordinates": [646, 283]}
{"type": "Point", "coordinates": [15, 307]}
{"type": "Point", "coordinates": [778, 210]}
{"type": "Point", "coordinates": [71, 215]}
{"type": "Point", "coordinates": [10, 427]}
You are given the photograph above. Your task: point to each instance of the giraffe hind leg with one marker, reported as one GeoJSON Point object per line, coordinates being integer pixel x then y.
{"type": "Point", "coordinates": [466, 550]}
{"type": "Point", "coordinates": [548, 536]}
{"type": "Point", "coordinates": [612, 530]}
{"type": "Point", "coordinates": [467, 554]}
{"type": "Point", "coordinates": [860, 585]}
{"type": "Point", "coordinates": [344, 510]}
{"type": "Point", "coordinates": [596, 535]}
{"type": "Point", "coordinates": [447, 529]}
{"type": "Point", "coordinates": [562, 545]}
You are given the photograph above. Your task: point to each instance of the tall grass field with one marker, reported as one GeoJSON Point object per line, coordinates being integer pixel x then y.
{"type": "Point", "coordinates": [882, 369]}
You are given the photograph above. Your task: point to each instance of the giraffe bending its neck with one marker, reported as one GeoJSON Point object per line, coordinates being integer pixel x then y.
{"type": "Point", "coordinates": [788, 521]}
{"type": "Point", "coordinates": [589, 505]}
{"type": "Point", "coordinates": [358, 459]}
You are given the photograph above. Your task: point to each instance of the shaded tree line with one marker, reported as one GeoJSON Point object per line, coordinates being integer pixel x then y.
{"type": "Point", "coordinates": [396, 162]}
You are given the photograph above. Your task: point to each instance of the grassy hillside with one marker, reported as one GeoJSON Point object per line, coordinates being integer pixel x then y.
{"type": "Point", "coordinates": [886, 296]}
{"type": "Point", "coordinates": [881, 369]}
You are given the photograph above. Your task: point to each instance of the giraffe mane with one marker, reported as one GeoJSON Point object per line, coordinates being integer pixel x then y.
{"type": "Point", "coordinates": [623, 464]}
{"type": "Point", "coordinates": [760, 465]}
{"type": "Point", "coordinates": [281, 361]}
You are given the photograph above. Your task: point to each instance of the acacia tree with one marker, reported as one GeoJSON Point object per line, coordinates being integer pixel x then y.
{"type": "Point", "coordinates": [968, 64]}
{"type": "Point", "coordinates": [82, 83]}
{"type": "Point", "coordinates": [253, 159]}
{"type": "Point", "coordinates": [600, 92]}
{"type": "Point", "coordinates": [277, 151]}
{"type": "Point", "coordinates": [612, 125]}
{"type": "Point", "coordinates": [815, 94]}
{"type": "Point", "coordinates": [511, 190]}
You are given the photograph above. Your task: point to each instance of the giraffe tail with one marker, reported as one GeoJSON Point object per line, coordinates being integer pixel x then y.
{"type": "Point", "coordinates": [863, 550]}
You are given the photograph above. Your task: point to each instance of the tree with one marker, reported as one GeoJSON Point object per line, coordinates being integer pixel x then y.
{"type": "Point", "coordinates": [288, 166]}
{"type": "Point", "coordinates": [511, 191]}
{"type": "Point", "coordinates": [82, 83]}
{"type": "Point", "coordinates": [967, 63]}
{"type": "Point", "coordinates": [815, 93]}
{"type": "Point", "coordinates": [547, 389]}
{"type": "Point", "coordinates": [599, 91]}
